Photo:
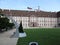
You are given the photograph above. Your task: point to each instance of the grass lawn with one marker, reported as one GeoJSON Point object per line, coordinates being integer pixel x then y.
{"type": "Point", "coordinates": [45, 36]}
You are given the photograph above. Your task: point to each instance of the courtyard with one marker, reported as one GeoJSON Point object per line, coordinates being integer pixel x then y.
{"type": "Point", "coordinates": [43, 36]}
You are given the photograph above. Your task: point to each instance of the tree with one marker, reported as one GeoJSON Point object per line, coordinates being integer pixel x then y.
{"type": "Point", "coordinates": [10, 25]}
{"type": "Point", "coordinates": [58, 18]}
{"type": "Point", "coordinates": [58, 14]}
{"type": "Point", "coordinates": [21, 28]}
{"type": "Point", "coordinates": [4, 23]}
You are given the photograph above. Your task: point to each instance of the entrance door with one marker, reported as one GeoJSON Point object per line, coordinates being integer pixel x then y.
{"type": "Point", "coordinates": [33, 21]}
{"type": "Point", "coordinates": [33, 24]}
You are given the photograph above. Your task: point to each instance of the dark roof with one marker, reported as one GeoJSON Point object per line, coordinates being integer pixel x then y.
{"type": "Point", "coordinates": [28, 13]}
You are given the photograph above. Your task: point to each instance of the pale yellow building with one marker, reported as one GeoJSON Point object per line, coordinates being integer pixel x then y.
{"type": "Point", "coordinates": [41, 19]}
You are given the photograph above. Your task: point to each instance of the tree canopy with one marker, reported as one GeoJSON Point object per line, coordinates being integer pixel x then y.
{"type": "Point", "coordinates": [4, 23]}
{"type": "Point", "coordinates": [58, 14]}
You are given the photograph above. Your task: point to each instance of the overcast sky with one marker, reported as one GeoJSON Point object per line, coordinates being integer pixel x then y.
{"type": "Point", "coordinates": [45, 5]}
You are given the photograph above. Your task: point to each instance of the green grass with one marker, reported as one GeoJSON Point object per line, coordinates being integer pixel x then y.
{"type": "Point", "coordinates": [44, 36]}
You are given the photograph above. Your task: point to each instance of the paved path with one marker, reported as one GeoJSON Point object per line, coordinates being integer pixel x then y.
{"type": "Point", "coordinates": [5, 38]}
{"type": "Point", "coordinates": [8, 41]}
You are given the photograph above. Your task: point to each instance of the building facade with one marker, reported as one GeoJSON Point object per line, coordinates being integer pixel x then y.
{"type": "Point", "coordinates": [41, 19]}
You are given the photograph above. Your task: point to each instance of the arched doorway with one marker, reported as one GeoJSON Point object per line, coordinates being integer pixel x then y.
{"type": "Point", "coordinates": [32, 21]}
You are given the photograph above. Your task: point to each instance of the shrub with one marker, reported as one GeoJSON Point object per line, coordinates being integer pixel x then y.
{"type": "Point", "coordinates": [20, 28]}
